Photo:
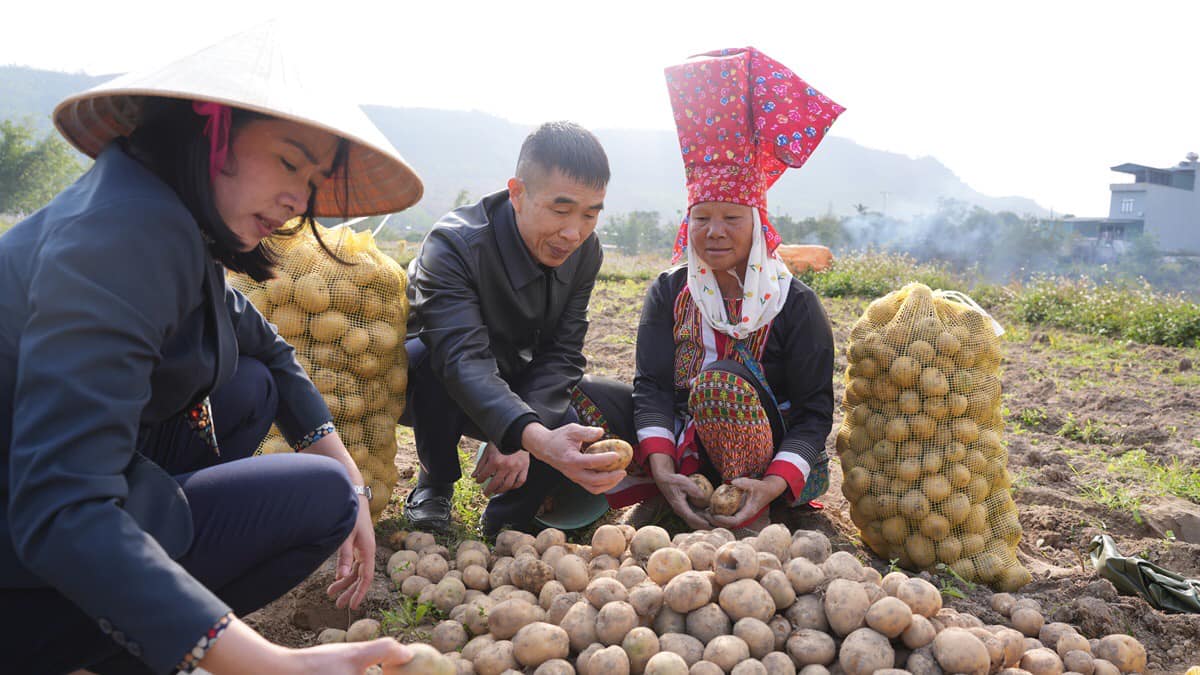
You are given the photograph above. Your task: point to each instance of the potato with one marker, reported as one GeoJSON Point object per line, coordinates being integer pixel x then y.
{"type": "Point", "coordinates": [846, 606]}
{"type": "Point", "coordinates": [426, 661]}
{"type": "Point", "coordinates": [608, 540]}
{"type": "Point", "coordinates": [864, 652]}
{"type": "Point", "coordinates": [749, 667]}
{"type": "Point", "coordinates": [705, 668]}
{"type": "Point", "coordinates": [549, 592]}
{"type": "Point", "coordinates": [735, 560]}
{"type": "Point", "coordinates": [666, 563]}
{"type": "Point", "coordinates": [1078, 661]}
{"type": "Point", "coordinates": [686, 646]}
{"type": "Point", "coordinates": [702, 554]}
{"type": "Point", "coordinates": [708, 622]}
{"type": "Point", "coordinates": [555, 667]}
{"type": "Point", "coordinates": [808, 612]}
{"type": "Point", "coordinates": [508, 541]}
{"type": "Point", "coordinates": [726, 500]}
{"type": "Point", "coordinates": [767, 562]}
{"type": "Point", "coordinates": [757, 635]}
{"type": "Point", "coordinates": [477, 645]}
{"type": "Point", "coordinates": [603, 590]}
{"type": "Point", "coordinates": [509, 616]}
{"type": "Point", "coordinates": [614, 620]}
{"type": "Point", "coordinates": [726, 651]}
{"type": "Point", "coordinates": [433, 567]}
{"type": "Point", "coordinates": [580, 624]}
{"type": "Point", "coordinates": [842, 565]}
{"type": "Point", "coordinates": [807, 646]}
{"type": "Point", "coordinates": [1042, 662]}
{"type": "Point", "coordinates": [646, 540]}
{"type": "Point", "coordinates": [623, 451]}
{"type": "Point", "coordinates": [921, 662]}
{"type": "Point", "coordinates": [889, 616]}
{"type": "Point", "coordinates": [746, 597]}
{"type": "Point", "coordinates": [666, 663]}
{"type": "Point", "coordinates": [448, 594]}
{"type": "Point", "coordinates": [530, 574]}
{"type": "Point", "coordinates": [331, 635]}
{"type": "Point", "coordinates": [610, 660]}
{"type": "Point", "coordinates": [804, 575]}
{"type": "Point", "coordinates": [778, 663]}
{"type": "Point", "coordinates": [669, 621]}
{"type": "Point", "coordinates": [1070, 641]}
{"type": "Point", "coordinates": [571, 571]}
{"type": "Point", "coordinates": [363, 630]}
{"type": "Point", "coordinates": [647, 599]}
{"type": "Point", "coordinates": [919, 633]}
{"type": "Point", "coordinates": [782, 593]}
{"type": "Point", "coordinates": [539, 642]}
{"type": "Point", "coordinates": [1014, 645]}
{"type": "Point", "coordinates": [958, 651]}
{"type": "Point", "coordinates": [448, 636]}
{"type": "Point", "coordinates": [688, 591]}
{"type": "Point", "coordinates": [476, 578]}
{"type": "Point", "coordinates": [922, 596]}
{"type": "Point", "coordinates": [640, 644]}
{"type": "Point", "coordinates": [706, 488]}
{"type": "Point", "coordinates": [1122, 651]}
{"type": "Point", "coordinates": [496, 659]}
{"type": "Point", "coordinates": [1027, 620]}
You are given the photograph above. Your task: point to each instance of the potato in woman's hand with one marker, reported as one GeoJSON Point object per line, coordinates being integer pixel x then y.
{"type": "Point", "coordinates": [726, 500]}
{"type": "Point", "coordinates": [623, 450]}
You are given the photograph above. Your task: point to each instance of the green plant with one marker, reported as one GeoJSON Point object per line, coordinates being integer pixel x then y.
{"type": "Point", "coordinates": [952, 584]}
{"type": "Point", "coordinates": [408, 614]}
{"type": "Point", "coordinates": [1032, 418]}
{"type": "Point", "coordinates": [1089, 432]}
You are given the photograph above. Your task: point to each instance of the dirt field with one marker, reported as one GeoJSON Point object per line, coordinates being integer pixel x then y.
{"type": "Point", "coordinates": [1092, 429]}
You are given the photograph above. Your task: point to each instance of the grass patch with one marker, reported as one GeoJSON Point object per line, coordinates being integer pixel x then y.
{"type": "Point", "coordinates": [873, 274]}
{"type": "Point", "coordinates": [1133, 311]}
{"type": "Point", "coordinates": [406, 615]}
{"type": "Point", "coordinates": [1032, 418]}
{"type": "Point", "coordinates": [1114, 497]}
{"type": "Point", "coordinates": [1090, 431]}
{"type": "Point", "coordinates": [1173, 478]}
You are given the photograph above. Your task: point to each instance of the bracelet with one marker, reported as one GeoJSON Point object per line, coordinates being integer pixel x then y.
{"type": "Point", "coordinates": [314, 436]}
{"type": "Point", "coordinates": [191, 660]}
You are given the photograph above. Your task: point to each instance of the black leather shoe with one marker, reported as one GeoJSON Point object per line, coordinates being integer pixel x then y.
{"type": "Point", "coordinates": [428, 507]}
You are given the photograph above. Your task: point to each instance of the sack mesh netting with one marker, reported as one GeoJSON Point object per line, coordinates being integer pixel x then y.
{"type": "Point", "coordinates": [925, 471]}
{"type": "Point", "coordinates": [347, 324]}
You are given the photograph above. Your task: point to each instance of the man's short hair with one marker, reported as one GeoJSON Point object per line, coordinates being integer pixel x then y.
{"type": "Point", "coordinates": [565, 146]}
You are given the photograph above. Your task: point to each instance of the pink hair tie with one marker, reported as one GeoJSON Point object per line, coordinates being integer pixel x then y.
{"type": "Point", "coordinates": [216, 129]}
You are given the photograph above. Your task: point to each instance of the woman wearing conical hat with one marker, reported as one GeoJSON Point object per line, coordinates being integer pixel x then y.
{"type": "Point", "coordinates": [135, 383]}
{"type": "Point", "coordinates": [734, 355]}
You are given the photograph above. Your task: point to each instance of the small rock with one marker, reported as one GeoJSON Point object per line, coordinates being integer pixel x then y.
{"type": "Point", "coordinates": [1185, 365]}
{"type": "Point", "coordinates": [1103, 589]}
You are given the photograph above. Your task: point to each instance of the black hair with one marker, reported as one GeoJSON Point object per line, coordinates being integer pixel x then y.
{"type": "Point", "coordinates": [565, 146]}
{"type": "Point", "coordinates": [169, 140]}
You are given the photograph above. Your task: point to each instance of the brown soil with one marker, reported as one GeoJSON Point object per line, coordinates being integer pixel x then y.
{"type": "Point", "coordinates": [1123, 396]}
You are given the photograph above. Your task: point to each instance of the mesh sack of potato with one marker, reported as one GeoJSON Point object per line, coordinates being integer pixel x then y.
{"type": "Point", "coordinates": [925, 471]}
{"type": "Point", "coordinates": [347, 323]}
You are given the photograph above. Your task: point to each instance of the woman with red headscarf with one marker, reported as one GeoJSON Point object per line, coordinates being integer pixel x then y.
{"type": "Point", "coordinates": [734, 355]}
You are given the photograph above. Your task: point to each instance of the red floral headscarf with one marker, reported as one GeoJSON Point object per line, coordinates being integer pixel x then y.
{"type": "Point", "coordinates": [743, 119]}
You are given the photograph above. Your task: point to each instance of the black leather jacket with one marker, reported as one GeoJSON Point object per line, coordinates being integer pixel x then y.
{"type": "Point", "coordinates": [504, 333]}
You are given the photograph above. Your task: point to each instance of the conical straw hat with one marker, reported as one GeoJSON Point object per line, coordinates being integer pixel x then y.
{"type": "Point", "coordinates": [254, 71]}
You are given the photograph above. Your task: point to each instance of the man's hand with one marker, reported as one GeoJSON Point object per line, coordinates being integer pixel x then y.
{"type": "Point", "coordinates": [561, 449]}
{"type": "Point", "coordinates": [759, 493]}
{"type": "Point", "coordinates": [507, 472]}
{"type": "Point", "coordinates": [676, 488]}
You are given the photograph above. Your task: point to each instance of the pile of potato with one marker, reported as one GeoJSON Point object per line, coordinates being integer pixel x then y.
{"type": "Point", "coordinates": [347, 323]}
{"type": "Point", "coordinates": [703, 603]}
{"type": "Point", "coordinates": [926, 472]}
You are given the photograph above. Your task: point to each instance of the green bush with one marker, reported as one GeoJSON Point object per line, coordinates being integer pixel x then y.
{"type": "Point", "coordinates": [1132, 311]}
{"type": "Point", "coordinates": [873, 274]}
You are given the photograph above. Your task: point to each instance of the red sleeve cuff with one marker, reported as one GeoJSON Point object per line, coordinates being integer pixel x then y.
{"type": "Point", "coordinates": [653, 445]}
{"type": "Point", "coordinates": [790, 473]}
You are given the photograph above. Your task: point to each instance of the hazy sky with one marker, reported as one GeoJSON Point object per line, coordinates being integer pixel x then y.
{"type": "Point", "coordinates": [1018, 98]}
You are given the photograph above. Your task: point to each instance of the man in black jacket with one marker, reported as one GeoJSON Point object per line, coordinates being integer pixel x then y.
{"type": "Point", "coordinates": [500, 292]}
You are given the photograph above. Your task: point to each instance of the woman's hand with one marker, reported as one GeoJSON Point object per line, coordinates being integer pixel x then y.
{"type": "Point", "coordinates": [759, 494]}
{"type": "Point", "coordinates": [356, 561]}
{"type": "Point", "coordinates": [676, 488]}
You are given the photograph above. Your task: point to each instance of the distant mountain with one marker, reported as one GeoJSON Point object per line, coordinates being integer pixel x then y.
{"type": "Point", "coordinates": [476, 152]}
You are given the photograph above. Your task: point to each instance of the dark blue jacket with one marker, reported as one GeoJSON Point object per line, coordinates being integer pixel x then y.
{"type": "Point", "coordinates": [114, 318]}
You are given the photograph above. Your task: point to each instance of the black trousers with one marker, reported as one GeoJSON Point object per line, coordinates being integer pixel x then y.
{"type": "Point", "coordinates": [439, 424]}
{"type": "Point", "coordinates": [262, 525]}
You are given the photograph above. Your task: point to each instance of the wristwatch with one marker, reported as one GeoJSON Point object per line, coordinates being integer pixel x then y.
{"type": "Point", "coordinates": [364, 490]}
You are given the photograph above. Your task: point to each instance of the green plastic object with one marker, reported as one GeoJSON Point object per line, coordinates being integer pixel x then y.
{"type": "Point", "coordinates": [574, 507]}
{"type": "Point", "coordinates": [1162, 588]}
